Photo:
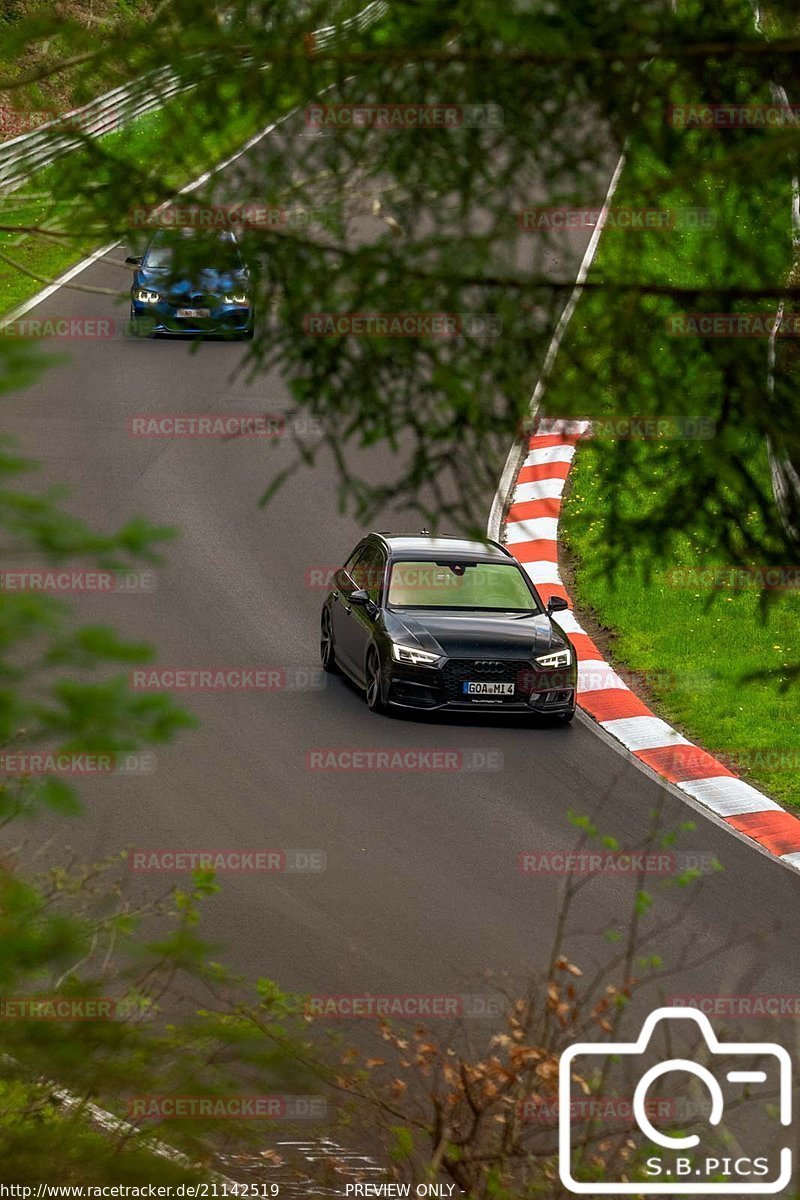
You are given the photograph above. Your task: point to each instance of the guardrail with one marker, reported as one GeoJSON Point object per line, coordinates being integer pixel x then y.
{"type": "Point", "coordinates": [24, 155]}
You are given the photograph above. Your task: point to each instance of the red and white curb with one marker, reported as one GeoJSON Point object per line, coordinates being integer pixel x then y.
{"type": "Point", "coordinates": [531, 534]}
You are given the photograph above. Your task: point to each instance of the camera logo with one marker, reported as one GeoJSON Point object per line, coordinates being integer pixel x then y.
{"type": "Point", "coordinates": [683, 1166]}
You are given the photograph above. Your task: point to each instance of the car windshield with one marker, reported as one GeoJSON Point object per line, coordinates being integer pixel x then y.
{"type": "Point", "coordinates": [158, 257]}
{"type": "Point", "coordinates": [453, 584]}
{"type": "Point", "coordinates": [218, 254]}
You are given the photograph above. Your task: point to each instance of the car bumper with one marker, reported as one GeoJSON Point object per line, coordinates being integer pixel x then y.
{"type": "Point", "coordinates": [562, 708]}
{"type": "Point", "coordinates": [435, 689]}
{"type": "Point", "coordinates": [224, 321]}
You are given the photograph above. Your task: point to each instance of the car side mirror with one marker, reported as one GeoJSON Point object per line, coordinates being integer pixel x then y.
{"type": "Point", "coordinates": [556, 604]}
{"type": "Point", "coordinates": [134, 260]}
{"type": "Point", "coordinates": [359, 596]}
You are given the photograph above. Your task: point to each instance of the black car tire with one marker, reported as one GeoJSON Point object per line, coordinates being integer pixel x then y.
{"type": "Point", "coordinates": [374, 682]}
{"type": "Point", "coordinates": [327, 650]}
{"type": "Point", "coordinates": [247, 336]}
{"type": "Point", "coordinates": [565, 718]}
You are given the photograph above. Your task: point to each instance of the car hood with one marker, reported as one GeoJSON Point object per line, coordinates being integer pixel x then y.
{"type": "Point", "coordinates": [208, 281]}
{"type": "Point", "coordinates": [471, 635]}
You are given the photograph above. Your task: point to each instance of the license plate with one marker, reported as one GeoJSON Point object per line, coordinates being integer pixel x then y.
{"type": "Point", "coordinates": [488, 687]}
{"type": "Point", "coordinates": [194, 312]}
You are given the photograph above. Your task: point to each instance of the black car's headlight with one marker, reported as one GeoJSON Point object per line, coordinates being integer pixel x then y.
{"type": "Point", "coordinates": [236, 298]}
{"type": "Point", "coordinates": [413, 657]}
{"type": "Point", "coordinates": [559, 658]}
{"type": "Point", "coordinates": [146, 296]}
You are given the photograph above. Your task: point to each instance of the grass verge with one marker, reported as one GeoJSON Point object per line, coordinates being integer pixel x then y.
{"type": "Point", "coordinates": [693, 648]}
{"type": "Point", "coordinates": [42, 1144]}
{"type": "Point", "coordinates": [701, 645]}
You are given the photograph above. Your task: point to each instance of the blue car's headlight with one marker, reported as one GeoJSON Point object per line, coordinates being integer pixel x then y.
{"type": "Point", "coordinates": [145, 296]}
{"type": "Point", "coordinates": [413, 657]}
{"type": "Point", "coordinates": [559, 658]}
{"type": "Point", "coordinates": [236, 298]}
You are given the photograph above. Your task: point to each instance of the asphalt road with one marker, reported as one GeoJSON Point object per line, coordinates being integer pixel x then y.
{"type": "Point", "coordinates": [422, 890]}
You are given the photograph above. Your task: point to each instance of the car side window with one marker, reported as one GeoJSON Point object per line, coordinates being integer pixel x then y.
{"type": "Point", "coordinates": [375, 573]}
{"type": "Point", "coordinates": [357, 564]}
{"type": "Point", "coordinates": [366, 567]}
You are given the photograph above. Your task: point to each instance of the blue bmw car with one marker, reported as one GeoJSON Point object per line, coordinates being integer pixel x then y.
{"type": "Point", "coordinates": [191, 282]}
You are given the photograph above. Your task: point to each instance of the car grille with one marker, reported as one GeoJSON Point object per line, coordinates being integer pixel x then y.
{"type": "Point", "coordinates": [459, 671]}
{"type": "Point", "coordinates": [195, 300]}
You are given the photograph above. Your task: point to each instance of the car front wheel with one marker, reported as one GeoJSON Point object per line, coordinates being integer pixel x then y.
{"type": "Point", "coordinates": [327, 651]}
{"type": "Point", "coordinates": [374, 682]}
